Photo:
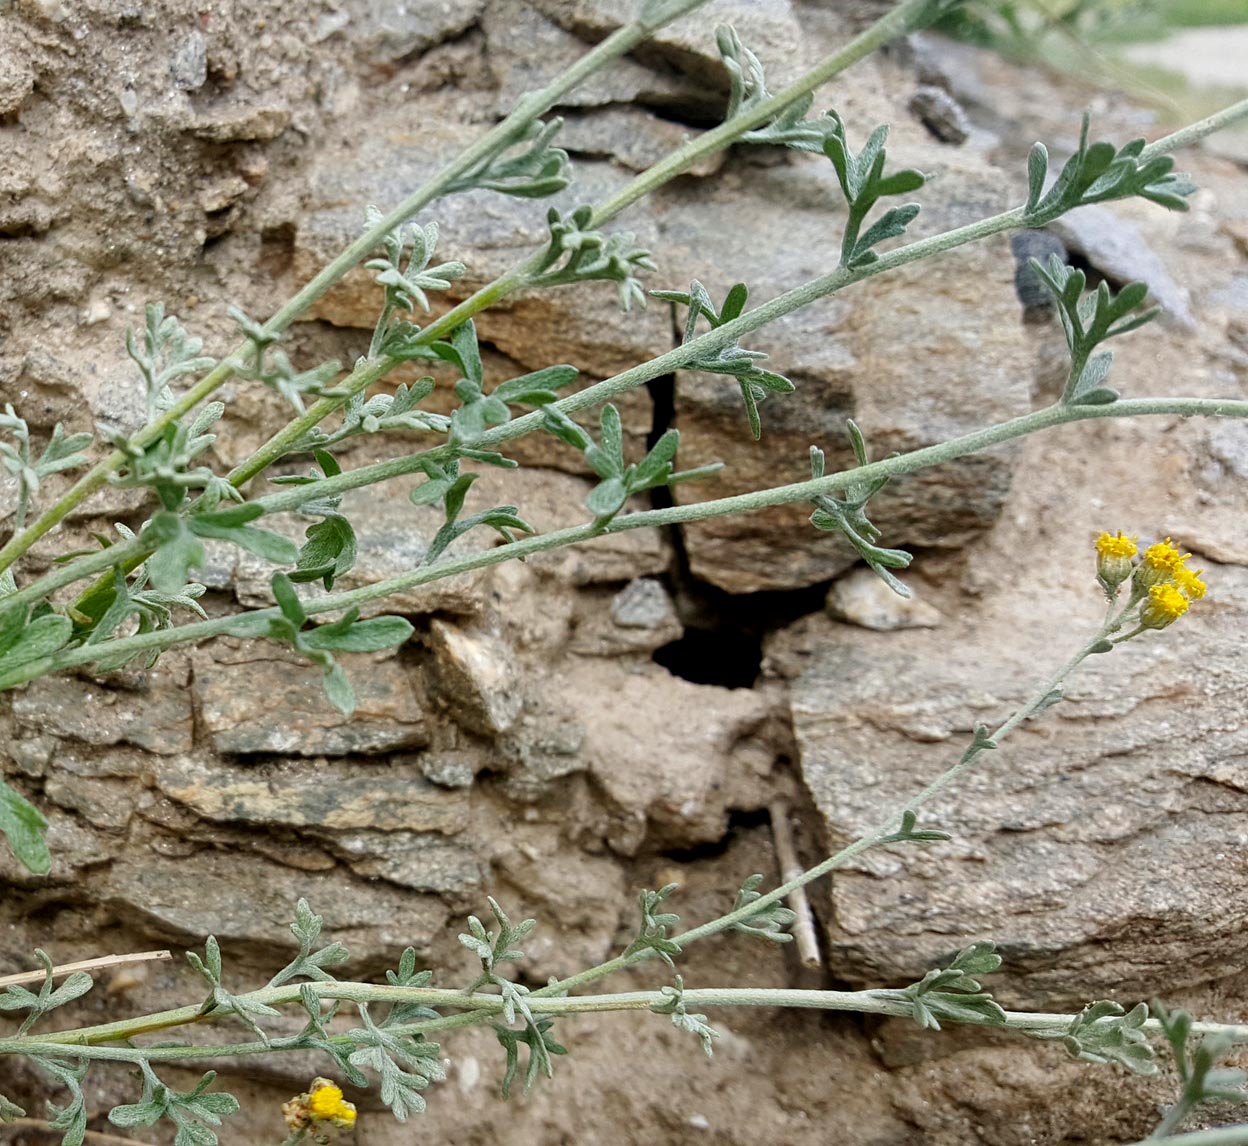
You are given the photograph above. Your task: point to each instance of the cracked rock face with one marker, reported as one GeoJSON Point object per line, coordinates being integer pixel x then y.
{"type": "Point", "coordinates": [525, 744]}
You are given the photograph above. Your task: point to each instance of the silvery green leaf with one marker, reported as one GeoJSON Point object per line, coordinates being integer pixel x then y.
{"type": "Point", "coordinates": [22, 824]}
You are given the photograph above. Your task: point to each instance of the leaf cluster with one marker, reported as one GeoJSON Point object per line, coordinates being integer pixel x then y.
{"type": "Point", "coordinates": [682, 1019]}
{"type": "Point", "coordinates": [540, 169]}
{"type": "Point", "coordinates": [23, 826]}
{"type": "Point", "coordinates": [152, 608]}
{"type": "Point", "coordinates": [847, 515]}
{"type": "Point", "coordinates": [406, 1064]}
{"type": "Point", "coordinates": [755, 382]}
{"type": "Point", "coordinates": [748, 89]}
{"type": "Point", "coordinates": [63, 452]}
{"type": "Point", "coordinates": [768, 921]}
{"type": "Point", "coordinates": [864, 183]}
{"type": "Point", "coordinates": [330, 546]}
{"type": "Point", "coordinates": [1197, 1064]}
{"type": "Point", "coordinates": [346, 635]}
{"type": "Point", "coordinates": [167, 351]}
{"type": "Point", "coordinates": [576, 253]}
{"type": "Point", "coordinates": [1097, 173]}
{"type": "Point", "coordinates": [1105, 1032]}
{"type": "Point", "coordinates": [953, 993]}
{"type": "Point", "coordinates": [620, 479]}
{"type": "Point", "coordinates": [221, 1001]}
{"type": "Point", "coordinates": [446, 484]}
{"type": "Point", "coordinates": [194, 1112]}
{"type": "Point", "coordinates": [38, 1003]}
{"type": "Point", "coordinates": [654, 931]}
{"type": "Point", "coordinates": [1088, 320]}
{"type": "Point", "coordinates": [276, 370]}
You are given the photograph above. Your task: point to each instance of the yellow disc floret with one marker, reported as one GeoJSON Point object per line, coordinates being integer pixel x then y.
{"type": "Point", "coordinates": [1111, 545]}
{"type": "Point", "coordinates": [1164, 606]}
{"type": "Point", "coordinates": [324, 1101]}
{"type": "Point", "coordinates": [1189, 583]}
{"type": "Point", "coordinates": [1159, 563]}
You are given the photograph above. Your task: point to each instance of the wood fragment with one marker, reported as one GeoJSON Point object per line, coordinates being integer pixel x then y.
{"type": "Point", "coordinates": [803, 930]}
{"type": "Point", "coordinates": [101, 964]}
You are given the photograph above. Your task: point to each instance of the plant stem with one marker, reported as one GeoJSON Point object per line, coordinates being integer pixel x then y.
{"type": "Point", "coordinates": [254, 623]}
{"type": "Point", "coordinates": [893, 24]}
{"type": "Point", "coordinates": [530, 108]}
{"type": "Point", "coordinates": [85, 1042]}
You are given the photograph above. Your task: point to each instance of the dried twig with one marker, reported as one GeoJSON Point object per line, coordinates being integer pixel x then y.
{"type": "Point", "coordinates": [100, 964]}
{"type": "Point", "coordinates": [90, 1135]}
{"type": "Point", "coordinates": [803, 929]}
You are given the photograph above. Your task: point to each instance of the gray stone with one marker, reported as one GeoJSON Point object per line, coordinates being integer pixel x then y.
{"type": "Point", "coordinates": [17, 80]}
{"type": "Point", "coordinates": [295, 794]}
{"type": "Point", "coordinates": [639, 619]}
{"type": "Point", "coordinates": [920, 355]}
{"type": "Point", "coordinates": [156, 715]}
{"type": "Point", "coordinates": [106, 804]}
{"type": "Point", "coordinates": [1117, 248]}
{"type": "Point", "coordinates": [477, 677]}
{"type": "Point", "coordinates": [189, 66]}
{"type": "Point", "coordinates": [252, 702]}
{"type": "Point", "coordinates": [1075, 842]}
{"type": "Point", "coordinates": [862, 598]}
{"type": "Point", "coordinates": [252, 901]}
{"type": "Point", "coordinates": [386, 31]}
{"type": "Point", "coordinates": [940, 113]}
{"type": "Point", "coordinates": [419, 860]}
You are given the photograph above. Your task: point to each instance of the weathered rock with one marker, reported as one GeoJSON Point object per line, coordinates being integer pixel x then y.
{"type": "Point", "coordinates": [106, 804]}
{"type": "Point", "coordinates": [640, 618]}
{"type": "Point", "coordinates": [297, 794]}
{"type": "Point", "coordinates": [250, 701]}
{"type": "Point", "coordinates": [477, 677]}
{"type": "Point", "coordinates": [200, 895]}
{"type": "Point", "coordinates": [419, 860]}
{"type": "Point", "coordinates": [156, 715]}
{"type": "Point", "coordinates": [940, 113]}
{"type": "Point", "coordinates": [673, 777]}
{"type": "Point", "coordinates": [527, 49]}
{"type": "Point", "coordinates": [862, 598]}
{"type": "Point", "coordinates": [1075, 843]}
{"type": "Point", "coordinates": [386, 32]}
{"type": "Point", "coordinates": [189, 66]}
{"type": "Point", "coordinates": [915, 357]}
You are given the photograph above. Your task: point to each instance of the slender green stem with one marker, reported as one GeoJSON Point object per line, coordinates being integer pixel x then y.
{"type": "Point", "coordinates": [509, 130]}
{"type": "Point", "coordinates": [254, 623]}
{"type": "Point", "coordinates": [1194, 132]}
{"type": "Point", "coordinates": [87, 1042]}
{"type": "Point", "coordinates": [895, 23]}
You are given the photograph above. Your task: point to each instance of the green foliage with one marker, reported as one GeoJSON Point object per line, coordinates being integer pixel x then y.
{"type": "Point", "coordinates": [9, 1111]}
{"type": "Point", "coordinates": [194, 1112]}
{"type": "Point", "coordinates": [448, 485]}
{"type": "Point", "coordinates": [17, 998]}
{"type": "Point", "coordinates": [72, 1117]}
{"type": "Point", "coordinates": [654, 932]}
{"type": "Point", "coordinates": [346, 635]}
{"type": "Point", "coordinates": [63, 452]}
{"type": "Point", "coordinates": [406, 1064]}
{"type": "Point", "coordinates": [755, 382]}
{"type": "Point", "coordinates": [864, 183]}
{"type": "Point", "coordinates": [24, 828]}
{"type": "Point", "coordinates": [533, 173]}
{"type": "Point", "coordinates": [1196, 1061]}
{"type": "Point", "coordinates": [1098, 173]}
{"type": "Point", "coordinates": [674, 1004]}
{"type": "Point", "coordinates": [620, 479]}
{"type": "Point", "coordinates": [167, 351]}
{"type": "Point", "coordinates": [577, 253]}
{"type": "Point", "coordinates": [769, 921]}
{"type": "Point", "coordinates": [953, 993]}
{"type": "Point", "coordinates": [1088, 320]}
{"type": "Point", "coordinates": [276, 371]}
{"type": "Point", "coordinates": [1105, 1032]}
{"type": "Point", "coordinates": [847, 515]}
{"type": "Point", "coordinates": [789, 127]}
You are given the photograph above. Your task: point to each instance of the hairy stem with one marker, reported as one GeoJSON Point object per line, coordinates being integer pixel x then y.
{"type": "Point", "coordinates": [530, 108]}
{"type": "Point", "coordinates": [254, 623]}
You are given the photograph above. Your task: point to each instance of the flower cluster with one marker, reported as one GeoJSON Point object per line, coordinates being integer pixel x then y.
{"type": "Point", "coordinates": [322, 1103]}
{"type": "Point", "coordinates": [1160, 581]}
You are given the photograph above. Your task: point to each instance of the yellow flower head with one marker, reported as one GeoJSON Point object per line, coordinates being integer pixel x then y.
{"type": "Point", "coordinates": [1111, 545]}
{"type": "Point", "coordinates": [1159, 564]}
{"type": "Point", "coordinates": [1189, 583]}
{"type": "Point", "coordinates": [1164, 606]}
{"type": "Point", "coordinates": [1113, 560]}
{"type": "Point", "coordinates": [326, 1104]}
